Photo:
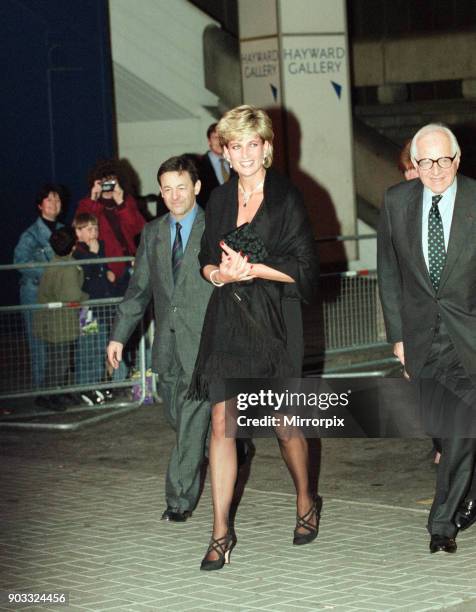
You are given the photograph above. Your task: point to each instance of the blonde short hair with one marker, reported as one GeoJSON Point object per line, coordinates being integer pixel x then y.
{"type": "Point", "coordinates": [244, 121]}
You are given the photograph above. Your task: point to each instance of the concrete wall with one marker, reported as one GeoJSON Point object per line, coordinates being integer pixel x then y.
{"type": "Point", "coordinates": [419, 58]}
{"type": "Point", "coordinates": [295, 63]}
{"type": "Point", "coordinates": [366, 249]}
{"type": "Point", "coordinates": [147, 144]}
{"type": "Point", "coordinates": [160, 43]}
{"type": "Point", "coordinates": [375, 160]}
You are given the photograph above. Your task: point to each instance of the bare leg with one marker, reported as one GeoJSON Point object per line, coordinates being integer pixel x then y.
{"type": "Point", "coordinates": [294, 450]}
{"type": "Point", "coordinates": [223, 473]}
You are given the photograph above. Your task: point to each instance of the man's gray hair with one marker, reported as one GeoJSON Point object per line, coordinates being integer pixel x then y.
{"type": "Point", "coordinates": [434, 127]}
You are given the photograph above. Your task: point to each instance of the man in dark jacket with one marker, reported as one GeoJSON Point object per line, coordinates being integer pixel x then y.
{"type": "Point", "coordinates": [427, 272]}
{"type": "Point", "coordinates": [213, 168]}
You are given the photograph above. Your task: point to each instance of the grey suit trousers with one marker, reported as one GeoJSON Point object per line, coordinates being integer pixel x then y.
{"type": "Point", "coordinates": [190, 420]}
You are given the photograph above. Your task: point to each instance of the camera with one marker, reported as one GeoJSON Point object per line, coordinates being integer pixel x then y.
{"type": "Point", "coordinates": [108, 185]}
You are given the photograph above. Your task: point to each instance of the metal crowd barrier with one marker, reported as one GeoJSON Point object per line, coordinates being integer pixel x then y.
{"type": "Point", "coordinates": [349, 313]}
{"type": "Point", "coordinates": [347, 319]}
{"type": "Point", "coordinates": [346, 315]}
{"type": "Point", "coordinates": [352, 312]}
{"type": "Point", "coordinates": [47, 370]}
{"type": "Point", "coordinates": [343, 327]}
{"type": "Point", "coordinates": [53, 371]}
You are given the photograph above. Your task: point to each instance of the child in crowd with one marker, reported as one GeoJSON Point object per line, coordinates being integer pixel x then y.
{"type": "Point", "coordinates": [59, 327]}
{"type": "Point", "coordinates": [96, 320]}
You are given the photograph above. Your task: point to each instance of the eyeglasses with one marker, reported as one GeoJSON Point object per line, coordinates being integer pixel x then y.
{"type": "Point", "coordinates": [443, 162]}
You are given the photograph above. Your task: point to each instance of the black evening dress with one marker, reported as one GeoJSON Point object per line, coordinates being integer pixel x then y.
{"type": "Point", "coordinates": [248, 326]}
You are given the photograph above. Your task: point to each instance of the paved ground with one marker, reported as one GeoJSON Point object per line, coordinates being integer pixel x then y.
{"type": "Point", "coordinates": [80, 513]}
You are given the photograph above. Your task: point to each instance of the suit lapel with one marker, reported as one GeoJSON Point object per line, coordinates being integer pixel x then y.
{"type": "Point", "coordinates": [163, 251]}
{"type": "Point", "coordinates": [192, 249]}
{"type": "Point", "coordinates": [461, 227]}
{"type": "Point", "coordinates": [414, 228]}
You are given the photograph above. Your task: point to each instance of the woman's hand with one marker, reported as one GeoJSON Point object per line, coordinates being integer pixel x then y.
{"type": "Point", "coordinates": [118, 194]}
{"type": "Point", "coordinates": [234, 267]}
{"type": "Point", "coordinates": [96, 190]}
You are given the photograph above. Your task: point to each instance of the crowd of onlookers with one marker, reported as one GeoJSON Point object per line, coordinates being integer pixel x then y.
{"type": "Point", "coordinates": [69, 344]}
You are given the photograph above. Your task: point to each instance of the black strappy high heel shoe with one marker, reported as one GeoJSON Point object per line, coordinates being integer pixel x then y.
{"type": "Point", "coordinates": [223, 547]}
{"type": "Point", "coordinates": [304, 522]}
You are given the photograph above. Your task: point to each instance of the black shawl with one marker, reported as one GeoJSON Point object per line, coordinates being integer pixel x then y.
{"type": "Point", "coordinates": [244, 335]}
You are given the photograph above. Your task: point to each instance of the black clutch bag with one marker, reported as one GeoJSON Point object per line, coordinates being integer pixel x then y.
{"type": "Point", "coordinates": [246, 240]}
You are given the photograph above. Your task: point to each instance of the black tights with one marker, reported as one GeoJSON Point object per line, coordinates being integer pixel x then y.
{"type": "Point", "coordinates": [223, 469]}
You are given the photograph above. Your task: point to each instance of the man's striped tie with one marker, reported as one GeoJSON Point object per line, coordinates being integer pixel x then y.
{"type": "Point", "coordinates": [177, 252]}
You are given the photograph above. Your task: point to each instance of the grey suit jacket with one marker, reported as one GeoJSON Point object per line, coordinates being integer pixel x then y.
{"type": "Point", "coordinates": [410, 304]}
{"type": "Point", "coordinates": [179, 309]}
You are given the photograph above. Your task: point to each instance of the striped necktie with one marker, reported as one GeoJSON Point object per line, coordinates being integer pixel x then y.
{"type": "Point", "coordinates": [177, 252]}
{"type": "Point", "coordinates": [436, 243]}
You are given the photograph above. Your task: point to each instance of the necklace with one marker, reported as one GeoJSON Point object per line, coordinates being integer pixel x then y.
{"type": "Point", "coordinates": [247, 194]}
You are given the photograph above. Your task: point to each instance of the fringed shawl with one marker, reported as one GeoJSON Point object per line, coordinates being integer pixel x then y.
{"type": "Point", "coordinates": [244, 334]}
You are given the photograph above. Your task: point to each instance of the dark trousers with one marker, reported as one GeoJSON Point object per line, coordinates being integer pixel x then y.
{"type": "Point", "coordinates": [58, 363]}
{"type": "Point", "coordinates": [448, 401]}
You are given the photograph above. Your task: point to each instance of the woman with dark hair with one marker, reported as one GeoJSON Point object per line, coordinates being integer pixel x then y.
{"type": "Point", "coordinates": [34, 246]}
{"type": "Point", "coordinates": [258, 251]}
{"type": "Point", "coordinates": [118, 217]}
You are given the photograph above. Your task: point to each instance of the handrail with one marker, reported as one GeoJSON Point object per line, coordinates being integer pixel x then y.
{"type": "Point", "coordinates": [344, 238]}
{"type": "Point", "coordinates": [55, 305]}
{"type": "Point", "coordinates": [71, 262]}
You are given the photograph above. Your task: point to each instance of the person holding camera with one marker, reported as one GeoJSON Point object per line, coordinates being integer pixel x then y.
{"type": "Point", "coordinates": [119, 219]}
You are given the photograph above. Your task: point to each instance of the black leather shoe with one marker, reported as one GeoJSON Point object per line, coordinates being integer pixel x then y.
{"type": "Point", "coordinates": [175, 516]}
{"type": "Point", "coordinates": [442, 543]}
{"type": "Point", "coordinates": [466, 514]}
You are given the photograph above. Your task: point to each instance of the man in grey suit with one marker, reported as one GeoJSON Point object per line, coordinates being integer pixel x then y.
{"type": "Point", "coordinates": [427, 272]}
{"type": "Point", "coordinates": [167, 270]}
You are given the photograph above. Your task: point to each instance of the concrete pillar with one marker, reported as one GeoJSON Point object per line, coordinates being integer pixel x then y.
{"type": "Point", "coordinates": [294, 63]}
{"type": "Point", "coordinates": [469, 88]}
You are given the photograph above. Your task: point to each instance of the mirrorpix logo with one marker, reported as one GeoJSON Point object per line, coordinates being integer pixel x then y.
{"type": "Point", "coordinates": [297, 402]}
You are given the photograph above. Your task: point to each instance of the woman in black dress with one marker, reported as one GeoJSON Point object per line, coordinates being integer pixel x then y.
{"type": "Point", "coordinates": [253, 325]}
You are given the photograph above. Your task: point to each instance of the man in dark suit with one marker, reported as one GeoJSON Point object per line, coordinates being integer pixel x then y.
{"type": "Point", "coordinates": [213, 168]}
{"type": "Point", "coordinates": [427, 272]}
{"type": "Point", "coordinates": [167, 270]}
